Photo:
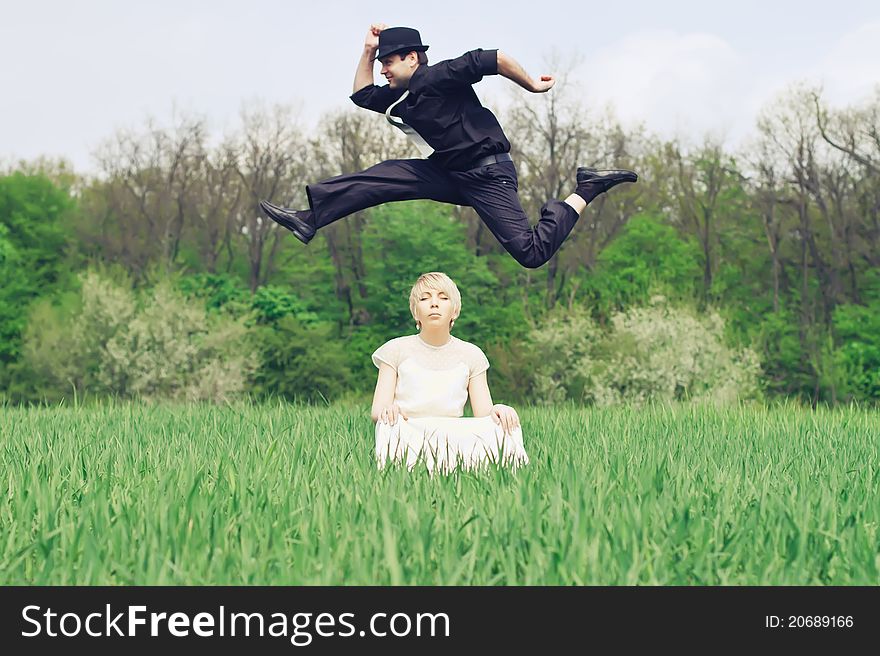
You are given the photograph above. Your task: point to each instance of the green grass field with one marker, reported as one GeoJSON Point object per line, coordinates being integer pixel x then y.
{"type": "Point", "coordinates": [280, 494]}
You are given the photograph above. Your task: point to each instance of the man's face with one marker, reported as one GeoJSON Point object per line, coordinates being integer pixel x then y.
{"type": "Point", "coordinates": [398, 69]}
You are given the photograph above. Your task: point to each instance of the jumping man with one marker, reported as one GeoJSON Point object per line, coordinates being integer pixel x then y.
{"type": "Point", "coordinates": [466, 155]}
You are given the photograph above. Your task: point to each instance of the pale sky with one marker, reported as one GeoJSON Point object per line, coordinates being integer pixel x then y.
{"type": "Point", "coordinates": [72, 72]}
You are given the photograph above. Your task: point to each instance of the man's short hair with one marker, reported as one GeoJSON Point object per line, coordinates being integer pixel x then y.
{"type": "Point", "coordinates": [421, 56]}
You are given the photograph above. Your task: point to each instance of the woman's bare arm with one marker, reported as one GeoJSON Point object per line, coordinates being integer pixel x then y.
{"type": "Point", "coordinates": [383, 397]}
{"type": "Point", "coordinates": [481, 398]}
{"type": "Point", "coordinates": [481, 404]}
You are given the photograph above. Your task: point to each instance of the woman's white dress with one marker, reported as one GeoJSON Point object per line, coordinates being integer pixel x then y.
{"type": "Point", "coordinates": [432, 389]}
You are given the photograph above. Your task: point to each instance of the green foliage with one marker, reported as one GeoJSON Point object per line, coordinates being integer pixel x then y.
{"type": "Point", "coordinates": [271, 304]}
{"type": "Point", "coordinates": [786, 371]}
{"type": "Point", "coordinates": [667, 353]}
{"type": "Point", "coordinates": [48, 370]}
{"type": "Point", "coordinates": [8, 255]}
{"type": "Point", "coordinates": [268, 305]}
{"type": "Point", "coordinates": [32, 245]}
{"type": "Point", "coordinates": [217, 292]}
{"type": "Point", "coordinates": [301, 358]}
{"type": "Point", "coordinates": [309, 273]}
{"type": "Point", "coordinates": [31, 208]}
{"type": "Point", "coordinates": [871, 286]}
{"type": "Point", "coordinates": [656, 353]}
{"type": "Point", "coordinates": [152, 345]}
{"type": "Point", "coordinates": [512, 365]}
{"type": "Point", "coordinates": [742, 287]}
{"type": "Point", "coordinates": [648, 257]}
{"type": "Point", "coordinates": [858, 331]}
{"type": "Point", "coordinates": [359, 346]}
{"type": "Point", "coordinates": [563, 347]}
{"type": "Point", "coordinates": [301, 362]}
{"type": "Point", "coordinates": [14, 293]}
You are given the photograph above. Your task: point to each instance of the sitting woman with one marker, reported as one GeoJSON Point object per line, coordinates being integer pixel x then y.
{"type": "Point", "coordinates": [424, 382]}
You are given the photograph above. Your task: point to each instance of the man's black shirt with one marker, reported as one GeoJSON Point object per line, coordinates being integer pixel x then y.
{"type": "Point", "coordinates": [443, 108]}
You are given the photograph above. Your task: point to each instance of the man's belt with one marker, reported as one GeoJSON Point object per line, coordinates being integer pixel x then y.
{"type": "Point", "coordinates": [491, 159]}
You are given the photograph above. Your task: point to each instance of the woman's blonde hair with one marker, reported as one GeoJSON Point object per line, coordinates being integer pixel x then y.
{"type": "Point", "coordinates": [442, 283]}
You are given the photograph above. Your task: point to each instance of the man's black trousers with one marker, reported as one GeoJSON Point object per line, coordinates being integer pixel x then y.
{"type": "Point", "coordinates": [491, 190]}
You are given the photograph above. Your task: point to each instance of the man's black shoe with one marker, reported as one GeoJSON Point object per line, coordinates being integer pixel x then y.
{"type": "Point", "coordinates": [585, 174]}
{"type": "Point", "coordinates": [592, 182]}
{"type": "Point", "coordinates": [290, 219]}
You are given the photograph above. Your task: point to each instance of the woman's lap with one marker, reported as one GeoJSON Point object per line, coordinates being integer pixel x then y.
{"type": "Point", "coordinates": [443, 443]}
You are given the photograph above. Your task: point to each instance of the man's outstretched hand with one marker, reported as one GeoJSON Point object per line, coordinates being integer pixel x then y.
{"type": "Point", "coordinates": [372, 40]}
{"type": "Point", "coordinates": [544, 84]}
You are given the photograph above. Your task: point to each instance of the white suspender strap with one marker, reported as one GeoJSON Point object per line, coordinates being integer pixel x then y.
{"type": "Point", "coordinates": [414, 136]}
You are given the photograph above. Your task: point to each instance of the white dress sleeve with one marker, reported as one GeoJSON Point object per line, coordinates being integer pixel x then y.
{"type": "Point", "coordinates": [389, 353]}
{"type": "Point", "coordinates": [477, 361]}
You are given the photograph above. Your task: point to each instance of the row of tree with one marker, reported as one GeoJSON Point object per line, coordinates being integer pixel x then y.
{"type": "Point", "coordinates": [782, 236]}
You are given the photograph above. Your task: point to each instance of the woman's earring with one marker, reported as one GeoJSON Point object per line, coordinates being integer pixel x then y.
{"type": "Point", "coordinates": [451, 324]}
{"type": "Point", "coordinates": [418, 325]}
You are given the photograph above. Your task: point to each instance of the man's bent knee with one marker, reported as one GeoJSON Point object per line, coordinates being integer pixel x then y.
{"type": "Point", "coordinates": [530, 259]}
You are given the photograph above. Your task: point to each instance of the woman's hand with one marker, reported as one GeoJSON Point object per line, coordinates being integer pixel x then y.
{"type": "Point", "coordinates": [505, 416]}
{"type": "Point", "coordinates": [390, 413]}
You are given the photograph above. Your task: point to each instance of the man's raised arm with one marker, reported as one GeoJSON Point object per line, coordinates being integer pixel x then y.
{"type": "Point", "coordinates": [509, 68]}
{"type": "Point", "coordinates": [364, 75]}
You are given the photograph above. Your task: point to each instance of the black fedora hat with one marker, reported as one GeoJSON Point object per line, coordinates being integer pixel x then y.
{"type": "Point", "coordinates": [399, 39]}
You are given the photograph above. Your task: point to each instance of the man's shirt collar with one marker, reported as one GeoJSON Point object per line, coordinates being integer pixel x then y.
{"type": "Point", "coordinates": [418, 78]}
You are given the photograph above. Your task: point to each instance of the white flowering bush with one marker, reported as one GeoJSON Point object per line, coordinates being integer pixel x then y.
{"type": "Point", "coordinates": [670, 353]}
{"type": "Point", "coordinates": [657, 353]}
{"type": "Point", "coordinates": [564, 355]}
{"type": "Point", "coordinates": [156, 345]}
